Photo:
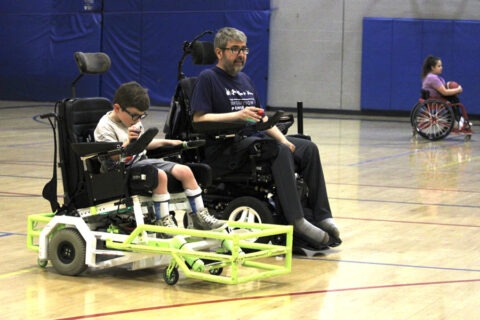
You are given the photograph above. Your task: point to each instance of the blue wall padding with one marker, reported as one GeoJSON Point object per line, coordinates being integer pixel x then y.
{"type": "Point", "coordinates": [36, 60]}
{"type": "Point", "coordinates": [185, 5]}
{"type": "Point", "coordinates": [393, 52]}
{"type": "Point", "coordinates": [144, 40]}
{"type": "Point", "coordinates": [376, 64]}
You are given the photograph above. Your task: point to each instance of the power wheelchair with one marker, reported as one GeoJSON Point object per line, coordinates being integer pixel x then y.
{"type": "Point", "coordinates": [248, 196]}
{"type": "Point", "coordinates": [434, 119]}
{"type": "Point", "coordinates": [106, 217]}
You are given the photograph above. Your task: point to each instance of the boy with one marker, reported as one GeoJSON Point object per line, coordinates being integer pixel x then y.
{"type": "Point", "coordinates": [123, 124]}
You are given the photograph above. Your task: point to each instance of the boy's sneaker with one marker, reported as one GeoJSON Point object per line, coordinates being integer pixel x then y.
{"type": "Point", "coordinates": [203, 220]}
{"type": "Point", "coordinates": [168, 222]}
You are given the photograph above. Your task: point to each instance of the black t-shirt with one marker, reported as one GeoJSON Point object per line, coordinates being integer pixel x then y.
{"type": "Point", "coordinates": [218, 92]}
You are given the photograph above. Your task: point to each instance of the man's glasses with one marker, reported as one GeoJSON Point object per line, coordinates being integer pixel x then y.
{"type": "Point", "coordinates": [135, 116]}
{"type": "Point", "coordinates": [237, 49]}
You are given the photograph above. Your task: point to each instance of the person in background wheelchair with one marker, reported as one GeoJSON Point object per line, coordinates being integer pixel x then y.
{"type": "Point", "coordinates": [435, 85]}
{"type": "Point", "coordinates": [123, 124]}
{"type": "Point", "coordinates": [224, 94]}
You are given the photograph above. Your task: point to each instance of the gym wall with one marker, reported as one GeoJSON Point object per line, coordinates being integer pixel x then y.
{"type": "Point", "coordinates": [144, 39]}
{"type": "Point", "coordinates": [314, 46]}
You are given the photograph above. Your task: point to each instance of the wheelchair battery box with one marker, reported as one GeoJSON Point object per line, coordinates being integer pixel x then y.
{"type": "Point", "coordinates": [106, 186]}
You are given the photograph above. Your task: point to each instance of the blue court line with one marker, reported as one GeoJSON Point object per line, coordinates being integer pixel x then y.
{"type": "Point", "coordinates": [22, 177]}
{"type": "Point", "coordinates": [398, 155]}
{"type": "Point", "coordinates": [6, 234]}
{"type": "Point", "coordinates": [414, 203]}
{"type": "Point", "coordinates": [389, 264]}
{"type": "Point", "coordinates": [28, 106]}
{"type": "Point", "coordinates": [401, 187]}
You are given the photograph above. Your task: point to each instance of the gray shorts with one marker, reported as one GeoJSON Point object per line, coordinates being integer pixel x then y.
{"type": "Point", "coordinates": [163, 165]}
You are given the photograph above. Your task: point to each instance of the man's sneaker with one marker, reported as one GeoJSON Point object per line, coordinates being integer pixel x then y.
{"type": "Point", "coordinates": [168, 222]}
{"type": "Point", "coordinates": [202, 220]}
{"type": "Point", "coordinates": [329, 227]}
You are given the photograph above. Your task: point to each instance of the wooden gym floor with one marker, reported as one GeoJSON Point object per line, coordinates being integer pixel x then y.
{"type": "Point", "coordinates": [408, 210]}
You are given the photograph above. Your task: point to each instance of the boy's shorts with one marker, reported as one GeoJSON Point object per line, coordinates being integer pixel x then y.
{"type": "Point", "coordinates": [163, 165]}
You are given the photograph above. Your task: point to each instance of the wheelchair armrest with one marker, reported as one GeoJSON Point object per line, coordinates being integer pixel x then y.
{"type": "Point", "coordinates": [84, 149]}
{"type": "Point", "coordinates": [141, 143]}
{"type": "Point", "coordinates": [95, 149]}
{"type": "Point", "coordinates": [211, 127]}
{"type": "Point", "coordinates": [272, 121]}
{"type": "Point", "coordinates": [171, 150]}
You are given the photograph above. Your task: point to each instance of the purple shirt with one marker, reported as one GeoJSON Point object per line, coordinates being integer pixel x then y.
{"type": "Point", "coordinates": [432, 81]}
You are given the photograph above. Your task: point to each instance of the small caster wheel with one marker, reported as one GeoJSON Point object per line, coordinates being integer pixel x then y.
{"type": "Point", "coordinates": [468, 137]}
{"type": "Point", "coordinates": [216, 271]}
{"type": "Point", "coordinates": [42, 263]}
{"type": "Point", "coordinates": [171, 276]}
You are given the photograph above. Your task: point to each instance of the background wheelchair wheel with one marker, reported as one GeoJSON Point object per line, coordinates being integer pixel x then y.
{"type": "Point", "coordinates": [67, 251]}
{"type": "Point", "coordinates": [432, 119]}
{"type": "Point", "coordinates": [249, 209]}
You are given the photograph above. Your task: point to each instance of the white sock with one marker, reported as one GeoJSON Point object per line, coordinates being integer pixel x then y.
{"type": "Point", "coordinates": [160, 202]}
{"type": "Point", "coordinates": [195, 198]}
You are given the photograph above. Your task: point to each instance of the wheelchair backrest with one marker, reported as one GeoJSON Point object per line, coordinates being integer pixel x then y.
{"type": "Point", "coordinates": [77, 119]}
{"type": "Point", "coordinates": [179, 120]}
{"type": "Point", "coordinates": [178, 124]}
{"type": "Point", "coordinates": [425, 94]}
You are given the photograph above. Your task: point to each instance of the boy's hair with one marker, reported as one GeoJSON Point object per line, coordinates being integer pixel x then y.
{"type": "Point", "coordinates": [132, 94]}
{"type": "Point", "coordinates": [228, 34]}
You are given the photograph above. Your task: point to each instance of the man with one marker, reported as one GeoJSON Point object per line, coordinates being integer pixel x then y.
{"type": "Point", "coordinates": [224, 93]}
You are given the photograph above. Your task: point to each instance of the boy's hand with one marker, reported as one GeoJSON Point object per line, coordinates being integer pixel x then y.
{"type": "Point", "coordinates": [133, 133]}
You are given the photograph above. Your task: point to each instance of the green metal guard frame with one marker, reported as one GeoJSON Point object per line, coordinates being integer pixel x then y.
{"type": "Point", "coordinates": [235, 258]}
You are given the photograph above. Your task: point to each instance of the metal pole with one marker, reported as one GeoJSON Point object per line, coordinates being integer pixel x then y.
{"type": "Point", "coordinates": [300, 117]}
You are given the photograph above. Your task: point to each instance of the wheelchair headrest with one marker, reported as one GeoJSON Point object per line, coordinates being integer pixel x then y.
{"type": "Point", "coordinates": [92, 63]}
{"type": "Point", "coordinates": [203, 53]}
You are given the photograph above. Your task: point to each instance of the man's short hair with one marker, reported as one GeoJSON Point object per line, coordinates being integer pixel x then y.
{"type": "Point", "coordinates": [228, 34]}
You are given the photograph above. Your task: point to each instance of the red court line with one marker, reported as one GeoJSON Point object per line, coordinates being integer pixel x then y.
{"type": "Point", "coordinates": [269, 296]}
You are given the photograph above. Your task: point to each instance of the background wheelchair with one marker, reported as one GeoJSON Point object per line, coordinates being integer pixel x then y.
{"type": "Point", "coordinates": [106, 217]}
{"type": "Point", "coordinates": [248, 196]}
{"type": "Point", "coordinates": [434, 119]}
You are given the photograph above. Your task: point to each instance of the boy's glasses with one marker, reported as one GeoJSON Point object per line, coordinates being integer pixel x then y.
{"type": "Point", "coordinates": [237, 49]}
{"type": "Point", "coordinates": [135, 116]}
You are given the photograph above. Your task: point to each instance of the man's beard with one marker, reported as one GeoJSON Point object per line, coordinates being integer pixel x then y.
{"type": "Point", "coordinates": [233, 69]}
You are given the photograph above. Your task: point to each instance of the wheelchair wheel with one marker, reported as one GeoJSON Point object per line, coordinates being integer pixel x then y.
{"type": "Point", "coordinates": [171, 276]}
{"type": "Point", "coordinates": [67, 251]}
{"type": "Point", "coordinates": [432, 119]}
{"type": "Point", "coordinates": [249, 209]}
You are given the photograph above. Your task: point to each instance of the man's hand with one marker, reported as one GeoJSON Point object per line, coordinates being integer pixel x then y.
{"type": "Point", "coordinates": [251, 114]}
{"type": "Point", "coordinates": [290, 145]}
